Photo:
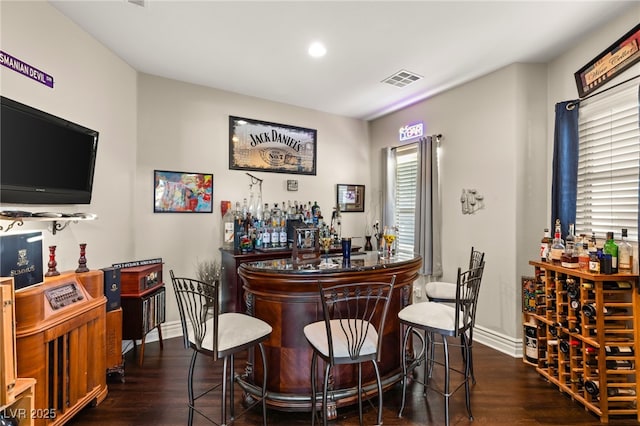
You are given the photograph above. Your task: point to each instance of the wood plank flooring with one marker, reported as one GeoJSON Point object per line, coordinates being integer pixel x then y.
{"type": "Point", "coordinates": [506, 393]}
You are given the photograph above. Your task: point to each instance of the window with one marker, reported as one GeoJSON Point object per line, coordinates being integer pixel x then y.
{"type": "Point", "coordinates": [405, 200]}
{"type": "Point", "coordinates": [608, 164]}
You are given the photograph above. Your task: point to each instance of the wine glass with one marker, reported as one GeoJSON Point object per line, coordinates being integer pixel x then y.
{"type": "Point", "coordinates": [389, 238]}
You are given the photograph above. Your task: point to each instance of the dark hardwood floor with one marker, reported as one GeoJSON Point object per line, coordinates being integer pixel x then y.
{"type": "Point", "coordinates": [506, 393]}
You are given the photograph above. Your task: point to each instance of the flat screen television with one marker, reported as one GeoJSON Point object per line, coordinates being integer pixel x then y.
{"type": "Point", "coordinates": [44, 159]}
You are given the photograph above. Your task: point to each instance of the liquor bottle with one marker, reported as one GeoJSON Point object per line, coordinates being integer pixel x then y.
{"type": "Point", "coordinates": [245, 208]}
{"type": "Point", "coordinates": [266, 236]}
{"type": "Point", "coordinates": [569, 258]}
{"type": "Point", "coordinates": [238, 226]}
{"type": "Point", "coordinates": [625, 254]}
{"type": "Point", "coordinates": [583, 258]}
{"type": "Point", "coordinates": [283, 234]}
{"type": "Point", "coordinates": [594, 262]}
{"type": "Point", "coordinates": [570, 240]}
{"type": "Point", "coordinates": [611, 249]}
{"type": "Point", "coordinates": [228, 229]}
{"type": "Point", "coordinates": [275, 236]}
{"type": "Point", "coordinates": [545, 245]}
{"type": "Point", "coordinates": [557, 245]}
{"type": "Point", "coordinates": [266, 215]}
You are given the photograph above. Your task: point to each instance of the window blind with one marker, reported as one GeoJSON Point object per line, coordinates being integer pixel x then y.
{"type": "Point", "coordinates": [405, 202]}
{"type": "Point", "coordinates": [608, 164]}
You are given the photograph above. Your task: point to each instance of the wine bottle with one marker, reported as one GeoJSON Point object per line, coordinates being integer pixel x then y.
{"type": "Point", "coordinates": [619, 350]}
{"type": "Point", "coordinates": [592, 387]}
{"type": "Point", "coordinates": [531, 339]}
{"type": "Point", "coordinates": [589, 310]}
{"type": "Point", "coordinates": [621, 392]}
{"type": "Point", "coordinates": [619, 364]}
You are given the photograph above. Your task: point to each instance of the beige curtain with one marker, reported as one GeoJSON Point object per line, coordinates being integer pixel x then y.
{"type": "Point", "coordinates": [428, 219]}
{"type": "Point", "coordinates": [428, 224]}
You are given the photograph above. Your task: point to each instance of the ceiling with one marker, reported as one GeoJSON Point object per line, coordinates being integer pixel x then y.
{"type": "Point", "coordinates": [259, 48]}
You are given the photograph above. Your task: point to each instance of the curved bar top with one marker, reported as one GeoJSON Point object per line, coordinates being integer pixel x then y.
{"type": "Point", "coordinates": [285, 294]}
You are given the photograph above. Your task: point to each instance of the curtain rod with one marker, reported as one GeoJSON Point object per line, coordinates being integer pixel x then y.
{"type": "Point", "coordinates": [572, 105]}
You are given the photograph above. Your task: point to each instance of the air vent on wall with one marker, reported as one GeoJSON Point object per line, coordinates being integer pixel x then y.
{"type": "Point", "coordinates": [402, 78]}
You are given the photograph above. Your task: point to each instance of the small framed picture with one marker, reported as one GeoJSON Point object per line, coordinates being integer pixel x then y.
{"type": "Point", "coordinates": [350, 198]}
{"type": "Point", "coordinates": [182, 192]}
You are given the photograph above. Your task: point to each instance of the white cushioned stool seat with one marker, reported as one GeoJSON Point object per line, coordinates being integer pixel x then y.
{"type": "Point", "coordinates": [316, 334]}
{"type": "Point", "coordinates": [234, 330]}
{"type": "Point", "coordinates": [430, 314]}
{"type": "Point", "coordinates": [440, 290]}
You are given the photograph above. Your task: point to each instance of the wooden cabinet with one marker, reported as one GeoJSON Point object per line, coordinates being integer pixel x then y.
{"type": "Point", "coordinates": [143, 303]}
{"type": "Point", "coordinates": [115, 361]}
{"type": "Point", "coordinates": [581, 333]}
{"type": "Point", "coordinates": [60, 342]}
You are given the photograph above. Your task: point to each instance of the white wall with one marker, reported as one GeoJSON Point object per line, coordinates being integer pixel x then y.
{"type": "Point", "coordinates": [96, 89]}
{"type": "Point", "coordinates": [493, 130]}
{"type": "Point", "coordinates": [185, 127]}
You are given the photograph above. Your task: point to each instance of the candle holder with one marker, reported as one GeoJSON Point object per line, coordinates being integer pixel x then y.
{"type": "Point", "coordinates": [82, 261]}
{"type": "Point", "coordinates": [52, 271]}
{"type": "Point", "coordinates": [367, 245]}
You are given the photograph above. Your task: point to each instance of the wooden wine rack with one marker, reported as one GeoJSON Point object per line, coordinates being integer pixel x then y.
{"type": "Point", "coordinates": [572, 348]}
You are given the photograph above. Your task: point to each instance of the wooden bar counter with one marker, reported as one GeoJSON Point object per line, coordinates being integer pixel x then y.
{"type": "Point", "coordinates": [285, 295]}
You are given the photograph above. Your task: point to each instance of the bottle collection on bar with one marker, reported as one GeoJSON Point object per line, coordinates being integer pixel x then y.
{"type": "Point", "coordinates": [587, 254]}
{"type": "Point", "coordinates": [253, 226]}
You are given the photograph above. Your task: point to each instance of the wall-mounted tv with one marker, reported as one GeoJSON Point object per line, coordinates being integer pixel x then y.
{"type": "Point", "coordinates": [44, 159]}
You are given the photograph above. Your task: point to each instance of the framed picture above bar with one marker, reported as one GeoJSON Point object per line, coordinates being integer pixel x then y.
{"type": "Point", "coordinates": [271, 147]}
{"type": "Point", "coordinates": [350, 198]}
{"type": "Point", "coordinates": [614, 60]}
{"type": "Point", "coordinates": [182, 192]}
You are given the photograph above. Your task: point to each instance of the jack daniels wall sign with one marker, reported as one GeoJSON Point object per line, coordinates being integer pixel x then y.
{"type": "Point", "coordinates": [271, 147]}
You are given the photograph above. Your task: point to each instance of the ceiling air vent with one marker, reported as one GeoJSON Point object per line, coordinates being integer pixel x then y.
{"type": "Point", "coordinates": [402, 78]}
{"type": "Point", "coordinates": [137, 2]}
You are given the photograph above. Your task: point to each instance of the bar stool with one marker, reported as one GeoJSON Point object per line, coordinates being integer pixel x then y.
{"type": "Point", "coordinates": [445, 292]}
{"type": "Point", "coordinates": [433, 319]}
{"type": "Point", "coordinates": [216, 335]}
{"type": "Point", "coordinates": [350, 333]}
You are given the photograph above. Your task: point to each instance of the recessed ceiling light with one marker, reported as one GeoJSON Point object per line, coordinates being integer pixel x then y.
{"type": "Point", "coordinates": [317, 49]}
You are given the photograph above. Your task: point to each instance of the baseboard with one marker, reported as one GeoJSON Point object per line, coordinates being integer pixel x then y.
{"type": "Point", "coordinates": [498, 341]}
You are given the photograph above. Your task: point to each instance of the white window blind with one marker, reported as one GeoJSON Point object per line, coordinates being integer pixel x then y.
{"type": "Point", "coordinates": [608, 164]}
{"type": "Point", "coordinates": [405, 202]}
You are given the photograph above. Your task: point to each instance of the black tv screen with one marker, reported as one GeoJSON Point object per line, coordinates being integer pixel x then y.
{"type": "Point", "coordinates": [44, 159]}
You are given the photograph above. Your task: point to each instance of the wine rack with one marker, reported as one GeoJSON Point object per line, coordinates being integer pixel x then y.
{"type": "Point", "coordinates": [586, 337]}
